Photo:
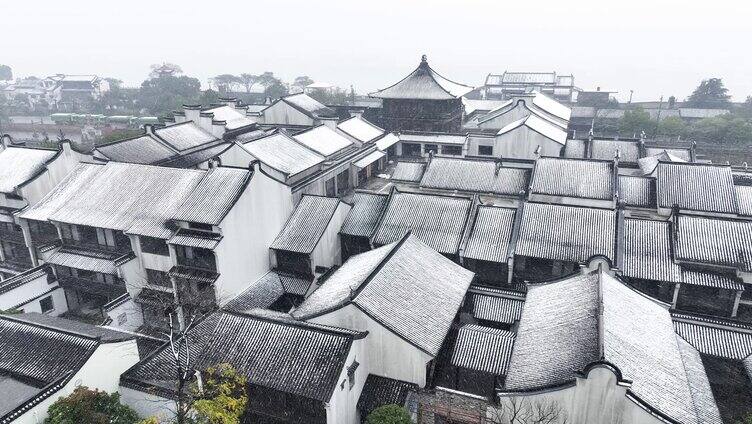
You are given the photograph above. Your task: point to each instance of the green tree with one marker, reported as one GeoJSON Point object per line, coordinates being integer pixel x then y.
{"type": "Point", "coordinates": [672, 126]}
{"type": "Point", "coordinates": [746, 420]}
{"type": "Point", "coordinates": [389, 414]}
{"type": "Point", "coordinates": [274, 86]}
{"type": "Point", "coordinates": [224, 82]}
{"type": "Point", "coordinates": [117, 135]}
{"type": "Point", "coordinates": [223, 397]}
{"type": "Point", "coordinates": [635, 122]}
{"type": "Point", "coordinates": [91, 407]}
{"type": "Point", "coordinates": [166, 93]}
{"type": "Point", "coordinates": [6, 74]}
{"type": "Point", "coordinates": [247, 80]}
{"type": "Point", "coordinates": [208, 97]}
{"type": "Point", "coordinates": [303, 81]}
{"type": "Point", "coordinates": [710, 94]}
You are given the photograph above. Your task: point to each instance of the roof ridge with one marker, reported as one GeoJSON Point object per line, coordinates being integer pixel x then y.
{"type": "Point", "coordinates": [49, 328]}
{"type": "Point", "coordinates": [292, 322]}
{"type": "Point", "coordinates": [355, 293]}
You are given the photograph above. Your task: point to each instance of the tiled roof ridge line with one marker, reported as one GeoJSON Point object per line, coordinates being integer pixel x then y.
{"type": "Point", "coordinates": [48, 328]}
{"type": "Point", "coordinates": [292, 322]}
{"type": "Point", "coordinates": [44, 393]}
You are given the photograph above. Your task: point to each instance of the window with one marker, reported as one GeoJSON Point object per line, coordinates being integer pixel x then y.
{"type": "Point", "coordinates": [410, 149]}
{"type": "Point", "coordinates": [451, 150]}
{"type": "Point", "coordinates": [199, 226]}
{"type": "Point", "coordinates": [158, 278]}
{"type": "Point", "coordinates": [66, 231]}
{"type": "Point", "coordinates": [88, 235]}
{"type": "Point", "coordinates": [63, 271]}
{"type": "Point", "coordinates": [46, 304]}
{"type": "Point", "coordinates": [351, 373]}
{"type": "Point", "coordinates": [330, 189]}
{"type": "Point", "coordinates": [485, 150]}
{"type": "Point", "coordinates": [343, 181]}
{"type": "Point", "coordinates": [431, 148]}
{"type": "Point", "coordinates": [154, 246]}
{"type": "Point", "coordinates": [122, 241]}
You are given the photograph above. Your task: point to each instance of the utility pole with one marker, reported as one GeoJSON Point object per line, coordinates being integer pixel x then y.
{"type": "Point", "coordinates": [658, 118]}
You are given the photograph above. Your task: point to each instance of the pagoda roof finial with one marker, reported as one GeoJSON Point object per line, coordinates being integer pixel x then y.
{"type": "Point", "coordinates": [424, 59]}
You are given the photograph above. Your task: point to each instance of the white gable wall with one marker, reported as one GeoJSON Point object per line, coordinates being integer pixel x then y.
{"type": "Point", "coordinates": [102, 371]}
{"type": "Point", "coordinates": [282, 113]}
{"type": "Point", "coordinates": [388, 355]}
{"type": "Point", "coordinates": [248, 230]}
{"type": "Point", "coordinates": [328, 251]}
{"type": "Point", "coordinates": [521, 142]}
{"type": "Point", "coordinates": [343, 405]}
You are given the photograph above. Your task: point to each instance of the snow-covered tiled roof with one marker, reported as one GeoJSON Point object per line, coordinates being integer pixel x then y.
{"type": "Point", "coordinates": [405, 286]}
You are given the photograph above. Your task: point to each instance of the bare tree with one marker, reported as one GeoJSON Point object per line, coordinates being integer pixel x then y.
{"type": "Point", "coordinates": [518, 410]}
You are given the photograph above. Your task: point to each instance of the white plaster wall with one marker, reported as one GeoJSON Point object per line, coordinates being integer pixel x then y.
{"type": "Point", "coordinates": [132, 313]}
{"type": "Point", "coordinates": [59, 301]}
{"type": "Point", "coordinates": [282, 113]}
{"type": "Point", "coordinates": [515, 114]}
{"type": "Point", "coordinates": [328, 251]}
{"type": "Point", "coordinates": [596, 399]}
{"type": "Point", "coordinates": [521, 143]}
{"type": "Point", "coordinates": [248, 230]}
{"type": "Point", "coordinates": [56, 171]}
{"type": "Point", "coordinates": [102, 371]}
{"type": "Point", "coordinates": [343, 405]}
{"type": "Point", "coordinates": [388, 355]}
{"type": "Point", "coordinates": [146, 404]}
{"type": "Point", "coordinates": [30, 292]}
{"type": "Point", "coordinates": [236, 156]}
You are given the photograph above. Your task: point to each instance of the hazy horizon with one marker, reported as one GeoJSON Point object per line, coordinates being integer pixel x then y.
{"type": "Point", "coordinates": [654, 48]}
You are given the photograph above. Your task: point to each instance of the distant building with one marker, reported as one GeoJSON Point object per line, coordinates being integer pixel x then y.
{"type": "Point", "coordinates": [509, 84]}
{"type": "Point", "coordinates": [423, 101]}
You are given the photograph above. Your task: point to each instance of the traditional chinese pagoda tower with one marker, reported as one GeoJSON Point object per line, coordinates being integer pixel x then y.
{"type": "Point", "coordinates": [423, 101]}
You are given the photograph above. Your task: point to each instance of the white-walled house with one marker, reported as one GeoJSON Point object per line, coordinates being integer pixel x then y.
{"type": "Point", "coordinates": [405, 295]}
{"type": "Point", "coordinates": [309, 243]}
{"type": "Point", "coordinates": [45, 358]}
{"type": "Point", "coordinates": [181, 230]}
{"type": "Point", "coordinates": [298, 109]}
{"type": "Point", "coordinates": [529, 137]}
{"type": "Point", "coordinates": [605, 353]}
{"type": "Point", "coordinates": [522, 106]}
{"type": "Point", "coordinates": [297, 371]}
{"type": "Point", "coordinates": [27, 174]}
{"type": "Point", "coordinates": [34, 290]}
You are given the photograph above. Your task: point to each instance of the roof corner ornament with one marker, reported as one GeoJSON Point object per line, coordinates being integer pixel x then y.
{"type": "Point", "coordinates": [642, 135]}
{"type": "Point", "coordinates": [538, 151]}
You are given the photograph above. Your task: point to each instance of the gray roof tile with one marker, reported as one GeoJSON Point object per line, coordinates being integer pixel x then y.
{"type": "Point", "coordinates": [483, 349]}
{"type": "Point", "coordinates": [696, 187]}
{"type": "Point", "coordinates": [405, 286]}
{"type": "Point", "coordinates": [566, 233]}
{"type": "Point", "coordinates": [573, 178]}
{"type": "Point", "coordinates": [491, 233]}
{"type": "Point", "coordinates": [438, 221]}
{"type": "Point", "coordinates": [362, 219]}
{"type": "Point", "coordinates": [307, 224]}
{"type": "Point", "coordinates": [480, 176]}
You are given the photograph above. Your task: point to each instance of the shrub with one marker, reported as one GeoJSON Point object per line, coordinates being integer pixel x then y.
{"type": "Point", "coordinates": [90, 406]}
{"type": "Point", "coordinates": [389, 414]}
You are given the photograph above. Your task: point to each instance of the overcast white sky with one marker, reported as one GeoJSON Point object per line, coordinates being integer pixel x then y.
{"type": "Point", "coordinates": [654, 47]}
